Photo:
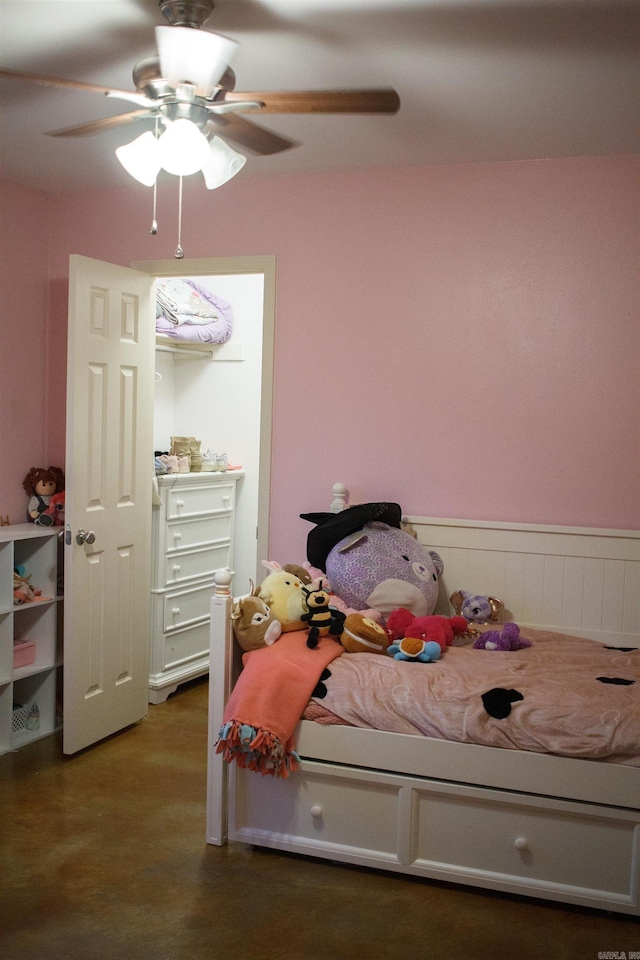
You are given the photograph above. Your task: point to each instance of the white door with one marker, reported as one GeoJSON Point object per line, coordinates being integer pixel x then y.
{"type": "Point", "coordinates": [109, 468]}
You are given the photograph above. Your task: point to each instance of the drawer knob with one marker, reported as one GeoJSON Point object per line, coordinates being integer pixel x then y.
{"type": "Point", "coordinates": [179, 503]}
{"type": "Point", "coordinates": [225, 497]}
{"type": "Point", "coordinates": [176, 568]}
{"type": "Point", "coordinates": [521, 843]}
{"type": "Point", "coordinates": [177, 536]}
{"type": "Point", "coordinates": [316, 810]}
{"type": "Point", "coordinates": [176, 611]}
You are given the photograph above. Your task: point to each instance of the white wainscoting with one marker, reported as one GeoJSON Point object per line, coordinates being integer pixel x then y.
{"type": "Point", "coordinates": [583, 581]}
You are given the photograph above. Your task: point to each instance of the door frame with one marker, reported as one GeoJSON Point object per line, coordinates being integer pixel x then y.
{"type": "Point", "coordinates": [228, 266]}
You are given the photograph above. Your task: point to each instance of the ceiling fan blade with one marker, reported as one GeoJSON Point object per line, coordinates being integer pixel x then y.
{"type": "Point", "coordinates": [249, 135]}
{"type": "Point", "coordinates": [384, 100]}
{"type": "Point", "coordinates": [65, 84]}
{"type": "Point", "coordinates": [235, 106]}
{"type": "Point", "coordinates": [99, 126]}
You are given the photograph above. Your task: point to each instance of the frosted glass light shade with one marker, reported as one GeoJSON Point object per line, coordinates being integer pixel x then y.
{"type": "Point", "coordinates": [183, 149]}
{"type": "Point", "coordinates": [193, 56]}
{"type": "Point", "coordinates": [141, 158]}
{"type": "Point", "coordinates": [222, 164]}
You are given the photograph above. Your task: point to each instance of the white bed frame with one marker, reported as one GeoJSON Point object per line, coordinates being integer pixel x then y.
{"type": "Point", "coordinates": [535, 824]}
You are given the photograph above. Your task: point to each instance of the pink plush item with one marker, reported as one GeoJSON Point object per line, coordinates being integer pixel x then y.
{"type": "Point", "coordinates": [316, 575]}
{"type": "Point", "coordinates": [442, 630]}
{"type": "Point", "coordinates": [339, 604]}
{"type": "Point", "coordinates": [509, 639]}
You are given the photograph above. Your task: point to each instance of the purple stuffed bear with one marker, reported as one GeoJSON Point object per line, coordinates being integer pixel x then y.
{"type": "Point", "coordinates": [371, 562]}
{"type": "Point", "coordinates": [385, 568]}
{"type": "Point", "coordinates": [509, 639]}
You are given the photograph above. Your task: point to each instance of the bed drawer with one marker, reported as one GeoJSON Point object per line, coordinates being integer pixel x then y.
{"type": "Point", "coordinates": [332, 810]}
{"type": "Point", "coordinates": [511, 838]}
{"type": "Point", "coordinates": [561, 850]}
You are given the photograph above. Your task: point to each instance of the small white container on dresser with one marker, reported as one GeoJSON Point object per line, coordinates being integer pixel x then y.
{"type": "Point", "coordinates": [192, 537]}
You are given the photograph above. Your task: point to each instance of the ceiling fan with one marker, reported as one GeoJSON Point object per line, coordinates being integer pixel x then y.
{"type": "Point", "coordinates": [191, 79]}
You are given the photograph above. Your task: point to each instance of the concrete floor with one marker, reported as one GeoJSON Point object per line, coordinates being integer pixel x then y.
{"type": "Point", "coordinates": [103, 856]}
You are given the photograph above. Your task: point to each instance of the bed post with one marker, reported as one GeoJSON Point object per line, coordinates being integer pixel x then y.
{"type": "Point", "coordinates": [340, 498]}
{"type": "Point", "coordinates": [220, 678]}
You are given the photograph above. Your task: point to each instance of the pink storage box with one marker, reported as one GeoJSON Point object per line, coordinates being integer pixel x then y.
{"type": "Point", "coordinates": [23, 654]}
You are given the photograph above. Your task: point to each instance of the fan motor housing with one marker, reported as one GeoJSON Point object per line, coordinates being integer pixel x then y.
{"type": "Point", "coordinates": [185, 110]}
{"type": "Point", "coordinates": [148, 79]}
{"type": "Point", "coordinates": [186, 13]}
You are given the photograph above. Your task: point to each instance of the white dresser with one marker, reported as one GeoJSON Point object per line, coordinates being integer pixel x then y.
{"type": "Point", "coordinates": [193, 534]}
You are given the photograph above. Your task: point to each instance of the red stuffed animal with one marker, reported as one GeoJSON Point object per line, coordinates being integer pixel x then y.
{"type": "Point", "coordinates": [55, 510]}
{"type": "Point", "coordinates": [402, 623]}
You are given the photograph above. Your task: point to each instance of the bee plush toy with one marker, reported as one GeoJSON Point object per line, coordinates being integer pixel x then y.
{"type": "Point", "coordinates": [321, 618]}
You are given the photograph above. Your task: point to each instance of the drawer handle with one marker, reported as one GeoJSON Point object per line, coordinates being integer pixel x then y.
{"type": "Point", "coordinates": [175, 611]}
{"type": "Point", "coordinates": [316, 810]}
{"type": "Point", "coordinates": [521, 843]}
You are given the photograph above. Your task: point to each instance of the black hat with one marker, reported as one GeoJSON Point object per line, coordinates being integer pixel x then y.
{"type": "Point", "coordinates": [333, 527]}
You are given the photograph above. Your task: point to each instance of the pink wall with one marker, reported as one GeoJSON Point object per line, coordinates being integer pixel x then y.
{"type": "Point", "coordinates": [24, 242]}
{"type": "Point", "coordinates": [461, 339]}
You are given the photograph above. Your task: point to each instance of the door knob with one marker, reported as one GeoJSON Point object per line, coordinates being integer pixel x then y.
{"type": "Point", "coordinates": [85, 537]}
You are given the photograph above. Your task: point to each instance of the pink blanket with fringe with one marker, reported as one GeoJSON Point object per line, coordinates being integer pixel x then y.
{"type": "Point", "coordinates": [268, 701]}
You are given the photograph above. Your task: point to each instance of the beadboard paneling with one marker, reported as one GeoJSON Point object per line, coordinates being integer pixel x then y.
{"type": "Point", "coordinates": [577, 580]}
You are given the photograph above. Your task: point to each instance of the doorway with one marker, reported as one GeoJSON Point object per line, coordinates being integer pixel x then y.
{"type": "Point", "coordinates": [109, 442]}
{"type": "Point", "coordinates": [229, 396]}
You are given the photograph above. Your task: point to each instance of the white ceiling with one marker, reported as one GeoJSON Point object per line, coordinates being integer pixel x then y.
{"type": "Point", "coordinates": [479, 80]}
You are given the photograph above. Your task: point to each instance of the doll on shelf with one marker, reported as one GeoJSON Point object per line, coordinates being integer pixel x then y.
{"type": "Point", "coordinates": [41, 485]}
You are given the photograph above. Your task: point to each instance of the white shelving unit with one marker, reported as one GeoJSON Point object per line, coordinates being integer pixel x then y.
{"type": "Point", "coordinates": [39, 623]}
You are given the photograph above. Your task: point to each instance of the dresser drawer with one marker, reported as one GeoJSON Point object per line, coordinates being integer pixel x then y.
{"type": "Point", "coordinates": [198, 499]}
{"type": "Point", "coordinates": [195, 564]}
{"type": "Point", "coordinates": [180, 608]}
{"type": "Point", "coordinates": [197, 532]}
{"type": "Point", "coordinates": [181, 647]}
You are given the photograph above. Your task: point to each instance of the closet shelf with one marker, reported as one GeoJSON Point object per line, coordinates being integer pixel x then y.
{"type": "Point", "coordinates": [195, 351]}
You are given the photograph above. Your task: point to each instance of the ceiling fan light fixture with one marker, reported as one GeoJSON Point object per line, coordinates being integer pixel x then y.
{"type": "Point", "coordinates": [182, 148]}
{"type": "Point", "coordinates": [195, 56]}
{"type": "Point", "coordinates": [141, 158]}
{"type": "Point", "coordinates": [222, 164]}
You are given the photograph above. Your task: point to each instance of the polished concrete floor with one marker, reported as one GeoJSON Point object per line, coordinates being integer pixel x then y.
{"type": "Point", "coordinates": [103, 856]}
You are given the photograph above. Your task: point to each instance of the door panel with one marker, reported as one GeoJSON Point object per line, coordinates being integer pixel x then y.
{"type": "Point", "coordinates": [109, 473]}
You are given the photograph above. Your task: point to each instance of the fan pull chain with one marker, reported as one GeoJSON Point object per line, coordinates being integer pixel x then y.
{"type": "Point", "coordinates": [179, 250]}
{"type": "Point", "coordinates": [154, 222]}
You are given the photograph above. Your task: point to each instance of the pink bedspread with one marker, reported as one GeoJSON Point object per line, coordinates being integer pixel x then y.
{"type": "Point", "coordinates": [563, 695]}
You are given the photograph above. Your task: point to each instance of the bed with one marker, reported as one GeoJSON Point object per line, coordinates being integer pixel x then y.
{"type": "Point", "coordinates": [555, 827]}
